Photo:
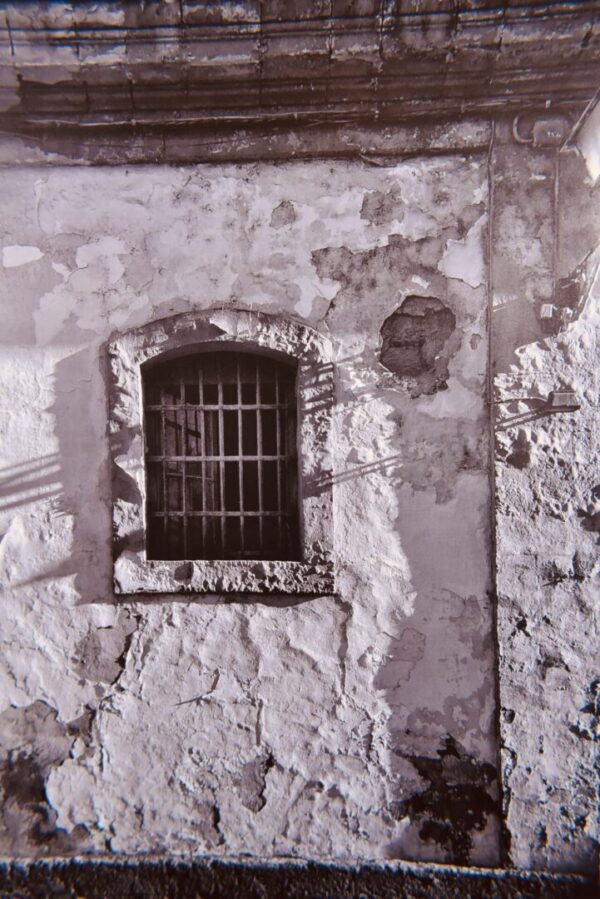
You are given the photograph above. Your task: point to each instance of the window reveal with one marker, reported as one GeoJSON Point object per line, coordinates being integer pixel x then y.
{"type": "Point", "coordinates": [221, 461]}
{"type": "Point", "coordinates": [159, 441]}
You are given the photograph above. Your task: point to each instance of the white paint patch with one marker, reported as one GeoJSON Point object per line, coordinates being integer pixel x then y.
{"type": "Point", "coordinates": [17, 255]}
{"type": "Point", "coordinates": [104, 615]}
{"type": "Point", "coordinates": [456, 402]}
{"type": "Point", "coordinates": [309, 292]}
{"type": "Point", "coordinates": [65, 787]}
{"type": "Point", "coordinates": [106, 249]}
{"type": "Point", "coordinates": [480, 193]}
{"type": "Point", "coordinates": [61, 269]}
{"type": "Point", "coordinates": [588, 141]}
{"type": "Point", "coordinates": [463, 259]}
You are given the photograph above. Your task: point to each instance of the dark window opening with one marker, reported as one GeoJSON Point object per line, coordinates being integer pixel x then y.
{"type": "Point", "coordinates": [221, 462]}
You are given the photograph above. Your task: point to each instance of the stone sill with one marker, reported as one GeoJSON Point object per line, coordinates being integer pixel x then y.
{"type": "Point", "coordinates": [134, 574]}
{"type": "Point", "coordinates": [166, 876]}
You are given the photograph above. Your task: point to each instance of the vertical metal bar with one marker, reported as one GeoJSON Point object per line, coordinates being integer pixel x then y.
{"type": "Point", "coordinates": [202, 414]}
{"type": "Point", "coordinates": [280, 522]}
{"type": "Point", "coordinates": [163, 438]}
{"type": "Point", "coordinates": [183, 414]}
{"type": "Point", "coordinates": [259, 453]}
{"type": "Point", "coordinates": [221, 459]}
{"type": "Point", "coordinates": [240, 454]}
{"type": "Point", "coordinates": [292, 474]}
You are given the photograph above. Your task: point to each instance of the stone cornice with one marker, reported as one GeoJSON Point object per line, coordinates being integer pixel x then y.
{"type": "Point", "coordinates": [186, 69]}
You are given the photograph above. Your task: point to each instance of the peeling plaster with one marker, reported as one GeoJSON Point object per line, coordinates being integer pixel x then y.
{"type": "Point", "coordinates": [455, 805]}
{"type": "Point", "coordinates": [12, 257]}
{"type": "Point", "coordinates": [34, 743]}
{"type": "Point", "coordinates": [463, 258]}
{"type": "Point", "coordinates": [347, 726]}
{"type": "Point", "coordinates": [547, 475]}
{"type": "Point", "coordinates": [273, 723]}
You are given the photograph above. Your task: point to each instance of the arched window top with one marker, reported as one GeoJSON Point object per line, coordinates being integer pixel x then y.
{"type": "Point", "coordinates": [209, 364]}
{"type": "Point", "coordinates": [221, 464]}
{"type": "Point", "coordinates": [218, 348]}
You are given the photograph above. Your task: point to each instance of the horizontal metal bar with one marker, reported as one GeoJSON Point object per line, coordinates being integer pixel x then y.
{"type": "Point", "coordinates": [235, 514]}
{"type": "Point", "coordinates": [200, 407]}
{"type": "Point", "coordinates": [221, 458]}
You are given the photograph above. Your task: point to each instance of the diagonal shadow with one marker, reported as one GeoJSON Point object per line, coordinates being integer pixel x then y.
{"type": "Point", "coordinates": [30, 481]}
{"type": "Point", "coordinates": [76, 477]}
{"type": "Point", "coordinates": [386, 466]}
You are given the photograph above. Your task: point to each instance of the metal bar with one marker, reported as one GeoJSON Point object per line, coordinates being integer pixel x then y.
{"type": "Point", "coordinates": [183, 415]}
{"type": "Point", "coordinates": [163, 440]}
{"type": "Point", "coordinates": [241, 453]}
{"type": "Point", "coordinates": [222, 459]}
{"type": "Point", "coordinates": [259, 454]}
{"type": "Point", "coordinates": [278, 451]}
{"type": "Point", "coordinates": [233, 458]}
{"type": "Point", "coordinates": [291, 481]}
{"type": "Point", "coordinates": [207, 502]}
{"type": "Point", "coordinates": [202, 448]}
{"type": "Point", "coordinates": [216, 406]}
{"type": "Point", "coordinates": [227, 514]}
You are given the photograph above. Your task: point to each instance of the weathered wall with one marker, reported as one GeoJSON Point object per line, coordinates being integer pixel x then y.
{"type": "Point", "coordinates": [545, 235]}
{"type": "Point", "coordinates": [360, 725]}
{"type": "Point", "coordinates": [355, 725]}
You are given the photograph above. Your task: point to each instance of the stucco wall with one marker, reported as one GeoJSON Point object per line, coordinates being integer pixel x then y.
{"type": "Point", "coordinates": [545, 236]}
{"type": "Point", "coordinates": [353, 725]}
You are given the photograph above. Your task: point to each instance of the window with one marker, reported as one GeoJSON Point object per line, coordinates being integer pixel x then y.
{"type": "Point", "coordinates": [219, 436]}
{"type": "Point", "coordinates": [221, 461]}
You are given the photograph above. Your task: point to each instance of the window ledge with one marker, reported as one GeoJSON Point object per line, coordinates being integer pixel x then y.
{"type": "Point", "coordinates": [134, 574]}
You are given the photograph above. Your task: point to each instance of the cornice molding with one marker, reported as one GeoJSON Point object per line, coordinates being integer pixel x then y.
{"type": "Point", "coordinates": [188, 69]}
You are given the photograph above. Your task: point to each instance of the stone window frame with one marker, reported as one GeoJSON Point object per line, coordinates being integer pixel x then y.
{"type": "Point", "coordinates": [242, 330]}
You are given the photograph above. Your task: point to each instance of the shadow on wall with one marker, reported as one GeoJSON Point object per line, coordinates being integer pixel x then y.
{"type": "Point", "coordinates": [444, 792]}
{"type": "Point", "coordinates": [443, 795]}
{"type": "Point", "coordinates": [75, 480]}
{"type": "Point", "coordinates": [389, 467]}
{"type": "Point", "coordinates": [29, 482]}
{"type": "Point", "coordinates": [548, 231]}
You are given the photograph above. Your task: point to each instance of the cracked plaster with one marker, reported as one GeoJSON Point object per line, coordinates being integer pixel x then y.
{"type": "Point", "coordinates": [546, 485]}
{"type": "Point", "coordinates": [353, 725]}
{"type": "Point", "coordinates": [267, 724]}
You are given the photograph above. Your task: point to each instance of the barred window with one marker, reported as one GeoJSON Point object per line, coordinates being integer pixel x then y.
{"type": "Point", "coordinates": [221, 459]}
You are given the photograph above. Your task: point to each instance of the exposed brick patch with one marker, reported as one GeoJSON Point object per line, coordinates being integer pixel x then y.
{"type": "Point", "coordinates": [413, 342]}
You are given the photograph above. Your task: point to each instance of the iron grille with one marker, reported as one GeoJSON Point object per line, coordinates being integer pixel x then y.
{"type": "Point", "coordinates": [221, 461]}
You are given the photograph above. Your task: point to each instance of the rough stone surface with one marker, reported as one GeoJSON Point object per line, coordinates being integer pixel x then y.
{"type": "Point", "coordinates": [545, 233]}
{"type": "Point", "coordinates": [332, 726]}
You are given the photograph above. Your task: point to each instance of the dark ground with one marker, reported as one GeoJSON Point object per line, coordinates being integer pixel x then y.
{"type": "Point", "coordinates": [211, 879]}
